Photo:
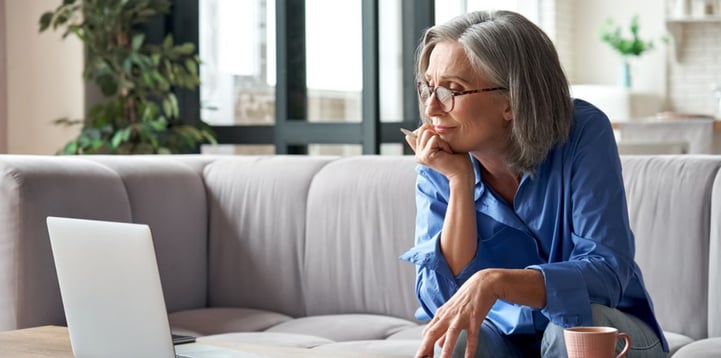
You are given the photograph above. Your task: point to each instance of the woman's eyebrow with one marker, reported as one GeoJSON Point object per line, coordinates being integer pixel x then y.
{"type": "Point", "coordinates": [451, 78]}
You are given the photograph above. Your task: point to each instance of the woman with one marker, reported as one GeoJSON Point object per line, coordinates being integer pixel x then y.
{"type": "Point", "coordinates": [522, 227]}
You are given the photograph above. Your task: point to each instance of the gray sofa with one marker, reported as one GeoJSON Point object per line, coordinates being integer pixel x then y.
{"type": "Point", "coordinates": [303, 251]}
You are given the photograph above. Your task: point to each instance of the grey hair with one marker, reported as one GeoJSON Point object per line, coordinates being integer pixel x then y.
{"type": "Point", "coordinates": [515, 54]}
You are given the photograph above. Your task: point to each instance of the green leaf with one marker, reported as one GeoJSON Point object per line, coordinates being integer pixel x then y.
{"type": "Point", "coordinates": [128, 65]}
{"type": "Point", "coordinates": [167, 107]}
{"type": "Point", "coordinates": [83, 140]}
{"type": "Point", "coordinates": [168, 42]}
{"type": "Point", "coordinates": [174, 105]}
{"type": "Point", "coordinates": [147, 79]}
{"type": "Point", "coordinates": [117, 139]}
{"type": "Point", "coordinates": [97, 144]}
{"type": "Point", "coordinates": [71, 148]}
{"type": "Point", "coordinates": [611, 34]}
{"type": "Point", "coordinates": [60, 19]}
{"type": "Point", "coordinates": [191, 66]}
{"type": "Point", "coordinates": [138, 41]}
{"type": "Point", "coordinates": [158, 125]}
{"type": "Point", "coordinates": [45, 20]}
{"type": "Point", "coordinates": [107, 84]}
{"type": "Point", "coordinates": [186, 48]}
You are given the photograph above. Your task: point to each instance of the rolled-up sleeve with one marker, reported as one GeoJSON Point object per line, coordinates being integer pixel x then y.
{"type": "Point", "coordinates": [435, 283]}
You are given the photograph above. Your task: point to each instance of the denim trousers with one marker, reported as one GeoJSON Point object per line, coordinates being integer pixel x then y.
{"type": "Point", "coordinates": [550, 344]}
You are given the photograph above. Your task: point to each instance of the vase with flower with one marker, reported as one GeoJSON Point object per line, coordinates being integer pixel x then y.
{"type": "Point", "coordinates": [627, 47]}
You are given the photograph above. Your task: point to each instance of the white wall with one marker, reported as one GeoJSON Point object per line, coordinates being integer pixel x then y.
{"type": "Point", "coordinates": [697, 69]}
{"type": "Point", "coordinates": [3, 105]}
{"type": "Point", "coordinates": [594, 62]}
{"type": "Point", "coordinates": [43, 80]}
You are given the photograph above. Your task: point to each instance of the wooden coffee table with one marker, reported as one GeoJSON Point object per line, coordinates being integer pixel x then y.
{"type": "Point", "coordinates": [53, 341]}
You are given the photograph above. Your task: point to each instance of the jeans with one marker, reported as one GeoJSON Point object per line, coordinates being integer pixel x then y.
{"type": "Point", "coordinates": [493, 343]}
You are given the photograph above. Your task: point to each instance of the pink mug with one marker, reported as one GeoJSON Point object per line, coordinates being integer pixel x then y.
{"type": "Point", "coordinates": [594, 342]}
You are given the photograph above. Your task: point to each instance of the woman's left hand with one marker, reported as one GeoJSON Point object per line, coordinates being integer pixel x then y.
{"type": "Point", "coordinates": [466, 310]}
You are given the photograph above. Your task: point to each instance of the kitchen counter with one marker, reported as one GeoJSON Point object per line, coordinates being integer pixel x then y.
{"type": "Point", "coordinates": [669, 136]}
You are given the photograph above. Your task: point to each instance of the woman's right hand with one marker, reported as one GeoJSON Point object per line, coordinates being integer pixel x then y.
{"type": "Point", "coordinates": [435, 153]}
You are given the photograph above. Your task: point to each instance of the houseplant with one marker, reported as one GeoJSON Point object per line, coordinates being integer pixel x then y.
{"type": "Point", "coordinates": [139, 112]}
{"type": "Point", "coordinates": [634, 46]}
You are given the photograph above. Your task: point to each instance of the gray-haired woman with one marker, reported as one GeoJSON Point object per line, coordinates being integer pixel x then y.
{"type": "Point", "coordinates": [522, 227]}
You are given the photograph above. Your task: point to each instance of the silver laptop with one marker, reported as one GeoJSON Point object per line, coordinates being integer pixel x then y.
{"type": "Point", "coordinates": [111, 292]}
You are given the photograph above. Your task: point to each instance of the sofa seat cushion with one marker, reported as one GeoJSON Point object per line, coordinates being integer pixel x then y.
{"type": "Point", "coordinates": [268, 338]}
{"type": "Point", "coordinates": [397, 347]}
{"type": "Point", "coordinates": [704, 348]}
{"type": "Point", "coordinates": [415, 332]}
{"type": "Point", "coordinates": [345, 327]}
{"type": "Point", "coordinates": [208, 321]}
{"type": "Point", "coordinates": [676, 341]}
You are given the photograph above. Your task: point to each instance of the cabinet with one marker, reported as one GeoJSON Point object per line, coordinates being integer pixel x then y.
{"type": "Point", "coordinates": [676, 26]}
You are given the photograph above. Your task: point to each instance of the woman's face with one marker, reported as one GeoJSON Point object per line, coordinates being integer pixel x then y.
{"type": "Point", "coordinates": [479, 122]}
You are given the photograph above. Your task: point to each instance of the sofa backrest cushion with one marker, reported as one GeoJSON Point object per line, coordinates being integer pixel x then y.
{"type": "Point", "coordinates": [143, 190]}
{"type": "Point", "coordinates": [258, 209]}
{"type": "Point", "coordinates": [669, 201]}
{"type": "Point", "coordinates": [714, 297]}
{"type": "Point", "coordinates": [168, 194]}
{"type": "Point", "coordinates": [361, 217]}
{"type": "Point", "coordinates": [31, 189]}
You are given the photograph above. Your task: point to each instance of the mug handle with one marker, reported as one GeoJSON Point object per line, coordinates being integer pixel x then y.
{"type": "Point", "coordinates": [626, 338]}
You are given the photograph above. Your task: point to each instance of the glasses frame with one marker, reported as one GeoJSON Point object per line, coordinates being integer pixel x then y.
{"type": "Point", "coordinates": [432, 90]}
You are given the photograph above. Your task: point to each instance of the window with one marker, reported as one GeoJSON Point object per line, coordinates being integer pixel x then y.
{"type": "Point", "coordinates": [283, 74]}
{"type": "Point", "coordinates": [237, 47]}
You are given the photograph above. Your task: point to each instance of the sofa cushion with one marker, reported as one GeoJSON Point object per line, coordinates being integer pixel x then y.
{"type": "Point", "coordinates": [714, 294]}
{"type": "Point", "coordinates": [208, 321]}
{"type": "Point", "coordinates": [405, 348]}
{"type": "Point", "coordinates": [169, 196]}
{"type": "Point", "coordinates": [268, 338]}
{"type": "Point", "coordinates": [257, 208]}
{"type": "Point", "coordinates": [670, 215]}
{"type": "Point", "coordinates": [344, 327]}
{"type": "Point", "coordinates": [361, 218]}
{"type": "Point", "coordinates": [31, 188]}
{"type": "Point", "coordinates": [676, 341]}
{"type": "Point", "coordinates": [415, 332]}
{"type": "Point", "coordinates": [705, 348]}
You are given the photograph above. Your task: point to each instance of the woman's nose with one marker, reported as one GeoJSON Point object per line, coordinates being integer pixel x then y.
{"type": "Point", "coordinates": [433, 106]}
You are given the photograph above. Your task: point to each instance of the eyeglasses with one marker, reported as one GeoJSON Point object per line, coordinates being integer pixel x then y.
{"type": "Point", "coordinates": [446, 96]}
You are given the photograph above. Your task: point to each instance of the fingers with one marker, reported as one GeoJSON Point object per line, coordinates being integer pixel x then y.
{"type": "Point", "coordinates": [449, 341]}
{"type": "Point", "coordinates": [410, 137]}
{"type": "Point", "coordinates": [443, 145]}
{"type": "Point", "coordinates": [472, 332]}
{"type": "Point", "coordinates": [426, 348]}
{"type": "Point", "coordinates": [424, 135]}
{"type": "Point", "coordinates": [411, 140]}
{"type": "Point", "coordinates": [434, 331]}
{"type": "Point", "coordinates": [428, 145]}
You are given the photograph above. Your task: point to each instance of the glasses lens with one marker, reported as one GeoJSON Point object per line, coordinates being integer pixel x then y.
{"type": "Point", "coordinates": [445, 96]}
{"type": "Point", "coordinates": [424, 92]}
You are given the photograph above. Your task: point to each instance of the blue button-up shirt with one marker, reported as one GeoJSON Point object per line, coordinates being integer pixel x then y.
{"type": "Point", "coordinates": [569, 220]}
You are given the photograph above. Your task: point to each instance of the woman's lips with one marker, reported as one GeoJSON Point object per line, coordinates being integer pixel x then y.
{"type": "Point", "coordinates": [442, 129]}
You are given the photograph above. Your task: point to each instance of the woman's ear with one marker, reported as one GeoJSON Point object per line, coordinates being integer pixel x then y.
{"type": "Point", "coordinates": [508, 112]}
